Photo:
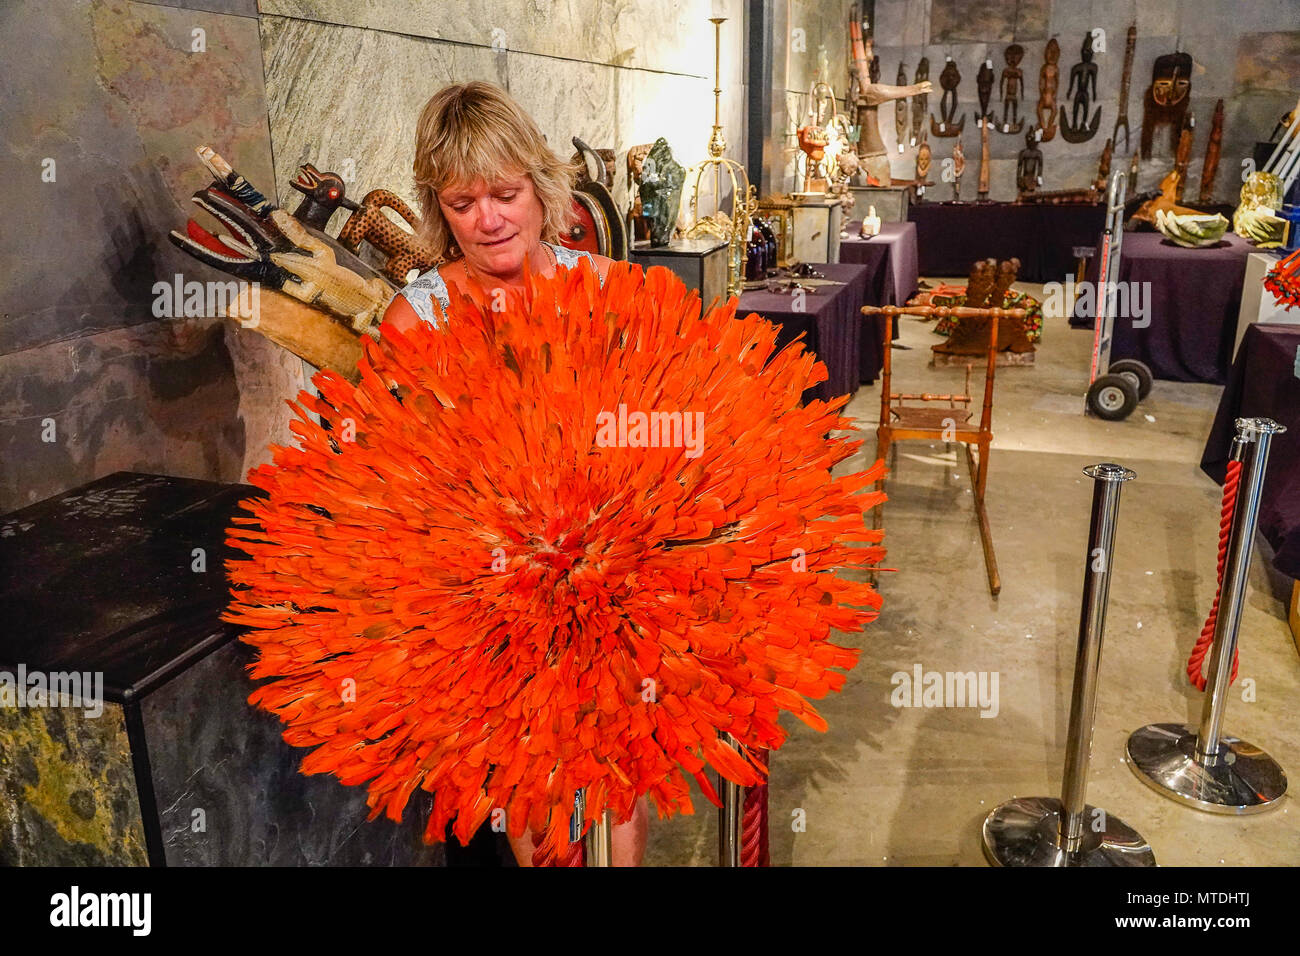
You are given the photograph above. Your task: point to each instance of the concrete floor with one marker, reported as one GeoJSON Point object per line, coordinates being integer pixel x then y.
{"type": "Point", "coordinates": [910, 786]}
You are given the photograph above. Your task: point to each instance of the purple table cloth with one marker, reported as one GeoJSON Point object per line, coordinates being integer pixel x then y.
{"type": "Point", "coordinates": [892, 256]}
{"type": "Point", "coordinates": [831, 322]}
{"type": "Point", "coordinates": [1192, 297]}
{"type": "Point", "coordinates": [951, 236]}
{"type": "Point", "coordinates": [1265, 383]}
{"type": "Point", "coordinates": [894, 278]}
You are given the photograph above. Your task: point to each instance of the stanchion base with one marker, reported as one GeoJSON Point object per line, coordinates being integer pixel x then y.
{"type": "Point", "coordinates": [1244, 779]}
{"type": "Point", "coordinates": [1023, 832]}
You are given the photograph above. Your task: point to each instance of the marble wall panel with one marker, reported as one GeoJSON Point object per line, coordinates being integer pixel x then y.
{"type": "Point", "coordinates": [958, 21]}
{"type": "Point", "coordinates": [243, 8]}
{"type": "Point", "coordinates": [120, 125]}
{"type": "Point", "coordinates": [324, 110]}
{"type": "Point", "coordinates": [903, 22]}
{"type": "Point", "coordinates": [671, 36]}
{"type": "Point", "coordinates": [118, 94]}
{"type": "Point", "coordinates": [199, 398]}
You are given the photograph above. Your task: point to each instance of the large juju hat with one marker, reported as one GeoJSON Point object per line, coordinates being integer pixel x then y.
{"type": "Point", "coordinates": [473, 579]}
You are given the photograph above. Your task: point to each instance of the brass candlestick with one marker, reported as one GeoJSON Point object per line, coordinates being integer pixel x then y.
{"type": "Point", "coordinates": [733, 228]}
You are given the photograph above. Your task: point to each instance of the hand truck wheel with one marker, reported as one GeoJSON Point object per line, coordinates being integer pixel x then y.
{"type": "Point", "coordinates": [1136, 372]}
{"type": "Point", "coordinates": [1112, 397]}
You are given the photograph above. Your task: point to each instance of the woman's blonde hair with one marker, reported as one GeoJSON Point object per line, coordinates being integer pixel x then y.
{"type": "Point", "coordinates": [476, 130]}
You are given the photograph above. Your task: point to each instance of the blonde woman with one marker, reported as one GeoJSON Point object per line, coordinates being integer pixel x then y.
{"type": "Point", "coordinates": [493, 196]}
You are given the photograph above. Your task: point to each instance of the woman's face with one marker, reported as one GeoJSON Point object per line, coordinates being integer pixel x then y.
{"type": "Point", "coordinates": [495, 225]}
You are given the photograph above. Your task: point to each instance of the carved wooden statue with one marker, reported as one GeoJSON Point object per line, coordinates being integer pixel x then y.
{"type": "Point", "coordinates": [948, 125]}
{"type": "Point", "coordinates": [1167, 99]}
{"type": "Point", "coordinates": [958, 168]}
{"type": "Point", "coordinates": [1183, 157]}
{"type": "Point", "coordinates": [922, 165]}
{"type": "Point", "coordinates": [1011, 88]}
{"type": "Point", "coordinates": [1103, 166]}
{"type": "Point", "coordinates": [921, 102]}
{"type": "Point", "coordinates": [900, 111]}
{"type": "Point", "coordinates": [983, 188]}
{"type": "Point", "coordinates": [1125, 80]}
{"type": "Point", "coordinates": [1049, 79]}
{"type": "Point", "coordinates": [1212, 148]}
{"type": "Point", "coordinates": [869, 95]}
{"type": "Point", "coordinates": [1083, 89]}
{"type": "Point", "coordinates": [984, 87]}
{"type": "Point", "coordinates": [1029, 163]}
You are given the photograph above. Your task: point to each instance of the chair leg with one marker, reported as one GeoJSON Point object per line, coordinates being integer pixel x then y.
{"type": "Point", "coordinates": [978, 473]}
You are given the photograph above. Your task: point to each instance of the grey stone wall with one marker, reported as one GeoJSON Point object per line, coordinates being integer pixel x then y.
{"type": "Point", "coordinates": [1246, 52]}
{"type": "Point", "coordinates": [346, 81]}
{"type": "Point", "coordinates": [105, 101]}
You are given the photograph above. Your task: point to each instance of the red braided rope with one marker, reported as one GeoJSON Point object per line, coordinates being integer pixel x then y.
{"type": "Point", "coordinates": [1206, 639]}
{"type": "Point", "coordinates": [754, 849]}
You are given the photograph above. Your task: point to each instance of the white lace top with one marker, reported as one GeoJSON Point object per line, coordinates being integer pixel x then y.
{"type": "Point", "coordinates": [430, 285]}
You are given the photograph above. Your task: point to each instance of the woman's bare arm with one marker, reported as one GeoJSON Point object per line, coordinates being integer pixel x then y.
{"type": "Point", "coordinates": [400, 315]}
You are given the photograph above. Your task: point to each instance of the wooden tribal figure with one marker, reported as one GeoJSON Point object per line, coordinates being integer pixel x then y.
{"type": "Point", "coordinates": [948, 124]}
{"type": "Point", "coordinates": [983, 191]}
{"type": "Point", "coordinates": [1083, 89]}
{"type": "Point", "coordinates": [984, 88]}
{"type": "Point", "coordinates": [1049, 81]}
{"type": "Point", "coordinates": [1012, 88]}
{"type": "Point", "coordinates": [958, 168]}
{"type": "Point", "coordinates": [868, 97]}
{"type": "Point", "coordinates": [1121, 120]}
{"type": "Point", "coordinates": [1167, 99]}
{"type": "Point", "coordinates": [922, 166]}
{"type": "Point", "coordinates": [1029, 164]}
{"type": "Point", "coordinates": [900, 111]}
{"type": "Point", "coordinates": [921, 102]}
{"type": "Point", "coordinates": [1212, 148]}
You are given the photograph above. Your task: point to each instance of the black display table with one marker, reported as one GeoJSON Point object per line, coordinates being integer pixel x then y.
{"type": "Point", "coordinates": [1045, 239]}
{"type": "Point", "coordinates": [124, 578]}
{"type": "Point", "coordinates": [1192, 299]}
{"type": "Point", "coordinates": [1265, 383]}
{"type": "Point", "coordinates": [831, 322]}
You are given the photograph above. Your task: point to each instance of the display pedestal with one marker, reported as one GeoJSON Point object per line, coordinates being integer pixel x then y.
{"type": "Point", "coordinates": [125, 578]}
{"type": "Point", "coordinates": [700, 263]}
{"type": "Point", "coordinates": [1257, 303]}
{"type": "Point", "coordinates": [816, 226]}
{"type": "Point", "coordinates": [891, 202]}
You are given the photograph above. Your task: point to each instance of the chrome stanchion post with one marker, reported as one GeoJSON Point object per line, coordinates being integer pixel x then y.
{"type": "Point", "coordinates": [599, 846]}
{"type": "Point", "coordinates": [1202, 767]}
{"type": "Point", "coordinates": [1042, 831]}
{"type": "Point", "coordinates": [730, 816]}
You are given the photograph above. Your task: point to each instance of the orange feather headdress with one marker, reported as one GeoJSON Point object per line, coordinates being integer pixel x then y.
{"type": "Point", "coordinates": [484, 575]}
